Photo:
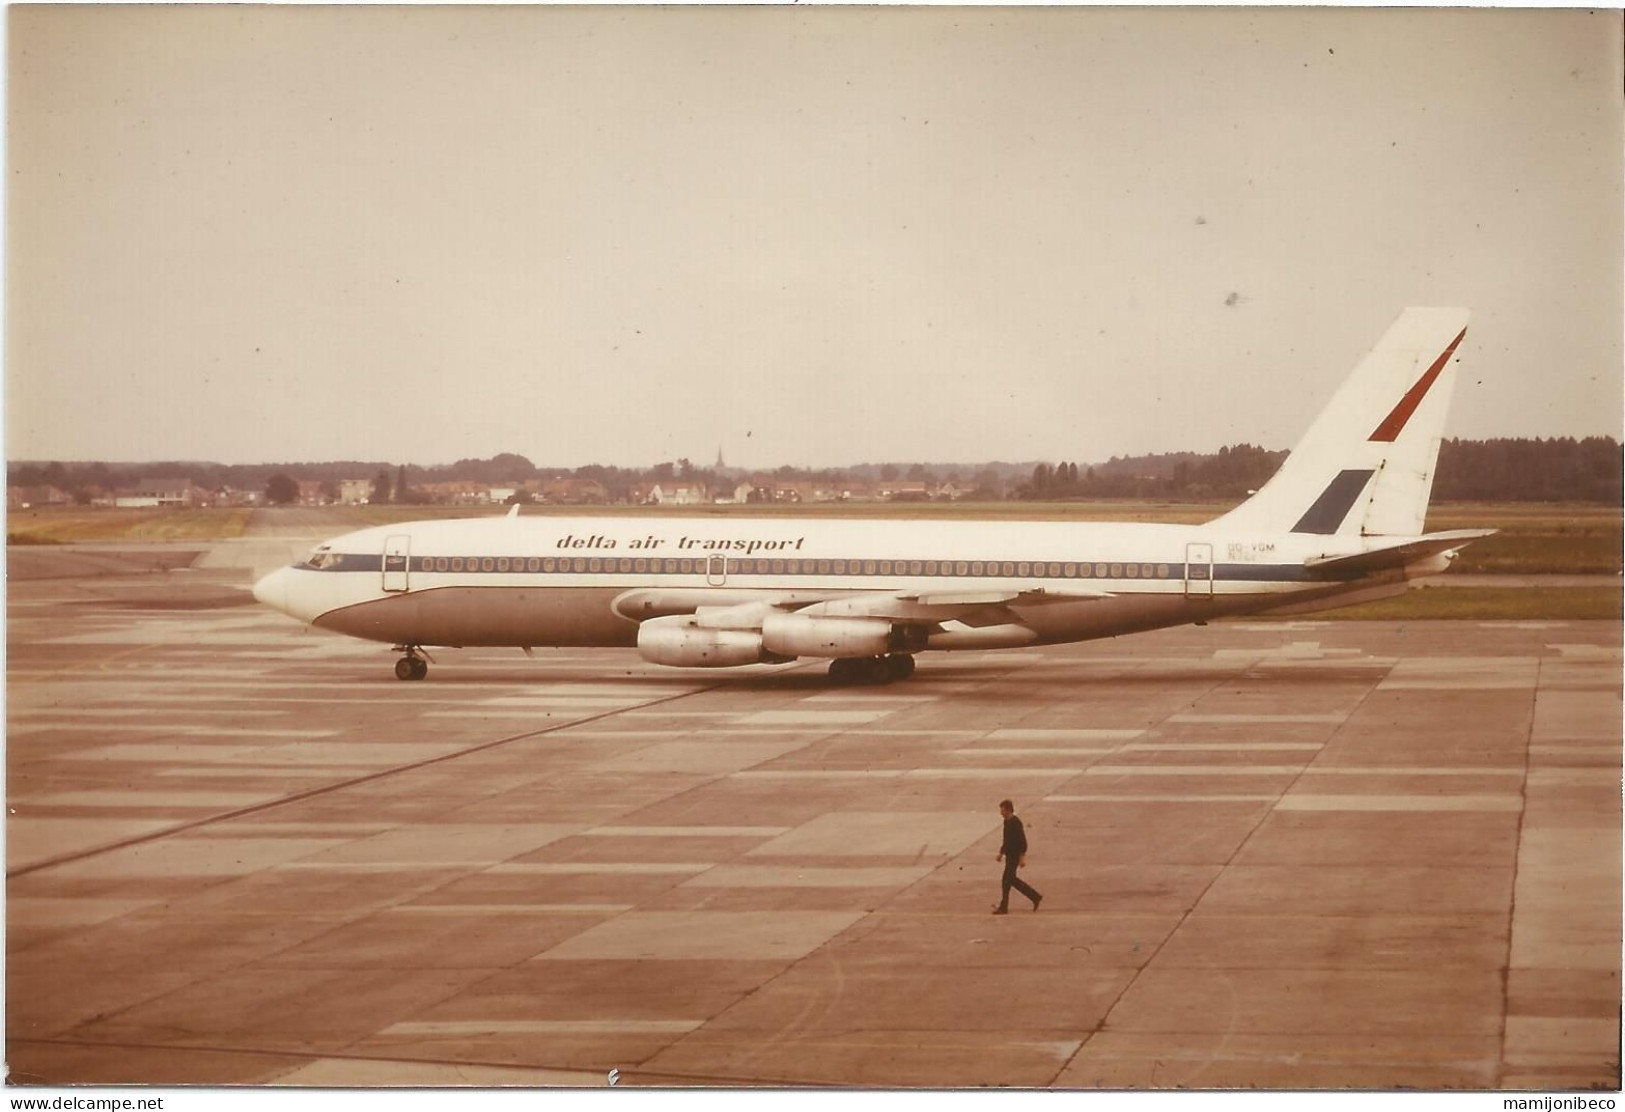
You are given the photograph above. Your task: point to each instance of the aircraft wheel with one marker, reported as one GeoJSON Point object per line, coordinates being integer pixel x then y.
{"type": "Point", "coordinates": [900, 666]}
{"type": "Point", "coordinates": [411, 668]}
{"type": "Point", "coordinates": [841, 670]}
{"type": "Point", "coordinates": [420, 668]}
{"type": "Point", "coordinates": [874, 669]}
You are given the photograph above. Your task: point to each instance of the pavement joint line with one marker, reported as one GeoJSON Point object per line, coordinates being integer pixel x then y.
{"type": "Point", "coordinates": [124, 712]}
{"type": "Point", "coordinates": [1392, 802]}
{"type": "Point", "coordinates": [1017, 751]}
{"type": "Point", "coordinates": [237, 773]}
{"type": "Point", "coordinates": [312, 1056]}
{"type": "Point", "coordinates": [624, 831]}
{"type": "Point", "coordinates": [384, 866]}
{"type": "Point", "coordinates": [1401, 770]}
{"type": "Point", "coordinates": [101, 663]}
{"type": "Point", "coordinates": [465, 1027]}
{"type": "Point", "coordinates": [506, 909]}
{"type": "Point", "coordinates": [1219, 747]}
{"type": "Point", "coordinates": [1192, 770]}
{"type": "Point", "coordinates": [170, 729]}
{"type": "Point", "coordinates": [1171, 798]}
{"type": "Point", "coordinates": [575, 868]}
{"type": "Point", "coordinates": [125, 843]}
{"type": "Point", "coordinates": [1517, 856]}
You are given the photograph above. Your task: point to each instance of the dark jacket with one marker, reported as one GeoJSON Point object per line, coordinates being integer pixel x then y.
{"type": "Point", "coordinates": [1015, 837]}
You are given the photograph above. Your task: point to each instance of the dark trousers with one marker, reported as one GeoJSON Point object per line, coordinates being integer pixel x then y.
{"type": "Point", "coordinates": [1011, 880]}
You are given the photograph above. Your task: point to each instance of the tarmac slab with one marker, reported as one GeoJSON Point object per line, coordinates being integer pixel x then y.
{"type": "Point", "coordinates": [1296, 854]}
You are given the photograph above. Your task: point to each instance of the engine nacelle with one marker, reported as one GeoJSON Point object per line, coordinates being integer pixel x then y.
{"type": "Point", "coordinates": [798, 635]}
{"type": "Point", "coordinates": [1437, 564]}
{"type": "Point", "coordinates": [676, 641]}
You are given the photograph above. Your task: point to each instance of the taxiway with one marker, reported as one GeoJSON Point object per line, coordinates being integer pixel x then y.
{"type": "Point", "coordinates": [1283, 854]}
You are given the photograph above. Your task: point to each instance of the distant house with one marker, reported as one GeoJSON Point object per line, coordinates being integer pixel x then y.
{"type": "Point", "coordinates": [157, 492]}
{"type": "Point", "coordinates": [678, 494]}
{"type": "Point", "coordinates": [457, 492]}
{"type": "Point", "coordinates": [23, 498]}
{"type": "Point", "coordinates": [231, 496]}
{"type": "Point", "coordinates": [902, 490]}
{"type": "Point", "coordinates": [769, 488]}
{"type": "Point", "coordinates": [355, 492]}
{"type": "Point", "coordinates": [790, 490]}
{"type": "Point", "coordinates": [575, 492]}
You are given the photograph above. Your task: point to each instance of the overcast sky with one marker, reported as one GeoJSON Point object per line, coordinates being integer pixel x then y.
{"type": "Point", "coordinates": [808, 236]}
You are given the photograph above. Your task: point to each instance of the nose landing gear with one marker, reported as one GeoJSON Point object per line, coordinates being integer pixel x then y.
{"type": "Point", "coordinates": [411, 666]}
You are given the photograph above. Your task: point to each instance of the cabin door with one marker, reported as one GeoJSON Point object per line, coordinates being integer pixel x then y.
{"type": "Point", "coordinates": [1199, 570]}
{"type": "Point", "coordinates": [397, 562]}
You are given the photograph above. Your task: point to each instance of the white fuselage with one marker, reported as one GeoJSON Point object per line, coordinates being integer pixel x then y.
{"type": "Point", "coordinates": [550, 581]}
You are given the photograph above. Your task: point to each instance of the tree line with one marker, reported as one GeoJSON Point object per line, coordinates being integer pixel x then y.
{"type": "Point", "coordinates": [1559, 469]}
{"type": "Point", "coordinates": [1192, 476]}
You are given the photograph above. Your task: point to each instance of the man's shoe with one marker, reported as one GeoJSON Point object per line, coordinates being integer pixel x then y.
{"type": "Point", "coordinates": [1036, 901]}
{"type": "Point", "coordinates": [1001, 911]}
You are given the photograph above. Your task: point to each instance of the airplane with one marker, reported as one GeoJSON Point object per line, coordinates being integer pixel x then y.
{"type": "Point", "coordinates": [1340, 522]}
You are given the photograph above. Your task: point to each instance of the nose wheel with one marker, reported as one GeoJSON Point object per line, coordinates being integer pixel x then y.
{"type": "Point", "coordinates": [411, 666]}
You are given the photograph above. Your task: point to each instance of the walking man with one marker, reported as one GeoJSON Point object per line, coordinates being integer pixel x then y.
{"type": "Point", "coordinates": [1013, 852]}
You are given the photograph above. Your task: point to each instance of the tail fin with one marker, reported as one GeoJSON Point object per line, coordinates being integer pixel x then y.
{"type": "Point", "coordinates": [1365, 467]}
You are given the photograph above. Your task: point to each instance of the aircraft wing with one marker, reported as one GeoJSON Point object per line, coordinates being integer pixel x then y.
{"type": "Point", "coordinates": [1396, 555]}
{"type": "Point", "coordinates": [971, 608]}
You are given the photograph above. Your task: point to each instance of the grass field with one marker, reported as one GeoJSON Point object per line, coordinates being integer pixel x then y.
{"type": "Point", "coordinates": [79, 525]}
{"type": "Point", "coordinates": [1482, 604]}
{"type": "Point", "coordinates": [1535, 539]}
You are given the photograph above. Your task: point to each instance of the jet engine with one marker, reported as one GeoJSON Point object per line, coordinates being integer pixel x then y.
{"type": "Point", "coordinates": [799, 635]}
{"type": "Point", "coordinates": [677, 641]}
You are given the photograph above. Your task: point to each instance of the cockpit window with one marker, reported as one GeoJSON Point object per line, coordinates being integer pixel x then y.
{"type": "Point", "coordinates": [322, 557]}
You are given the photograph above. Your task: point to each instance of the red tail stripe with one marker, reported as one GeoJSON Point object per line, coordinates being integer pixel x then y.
{"type": "Point", "coordinates": [1391, 426]}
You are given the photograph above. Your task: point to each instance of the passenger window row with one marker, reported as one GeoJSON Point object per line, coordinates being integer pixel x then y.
{"type": "Point", "coordinates": [627, 565]}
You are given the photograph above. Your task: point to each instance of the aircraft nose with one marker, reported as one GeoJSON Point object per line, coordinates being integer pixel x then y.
{"type": "Point", "coordinates": [272, 589]}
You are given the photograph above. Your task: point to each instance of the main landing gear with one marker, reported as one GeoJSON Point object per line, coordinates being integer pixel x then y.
{"type": "Point", "coordinates": [411, 666]}
{"type": "Point", "coordinates": [871, 669]}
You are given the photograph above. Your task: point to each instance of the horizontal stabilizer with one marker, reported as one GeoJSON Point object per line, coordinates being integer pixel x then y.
{"type": "Point", "coordinates": [1394, 555]}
